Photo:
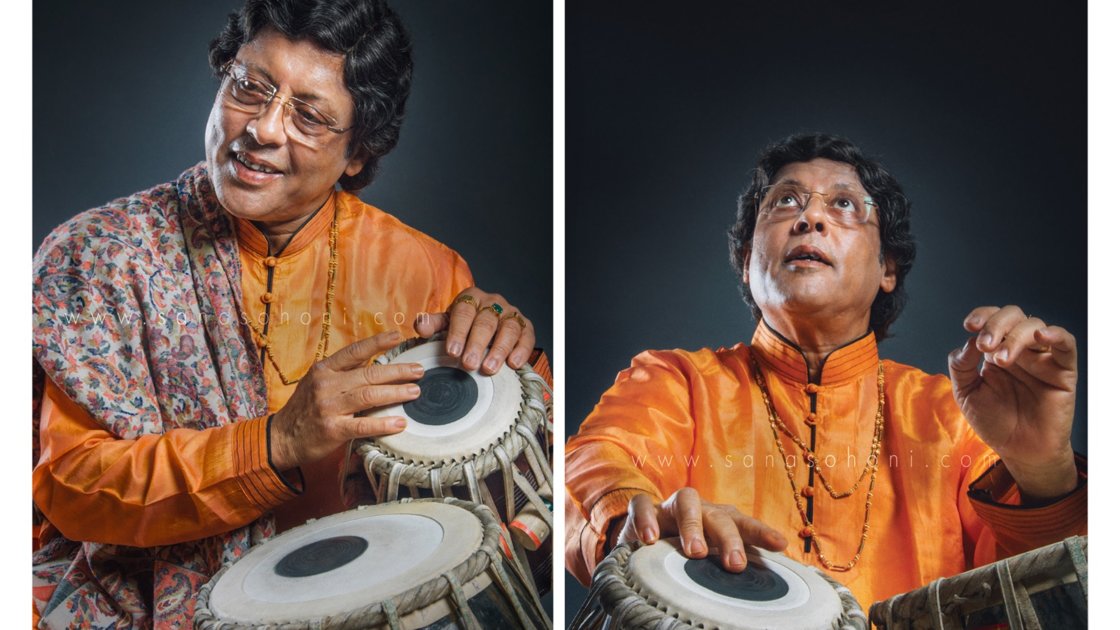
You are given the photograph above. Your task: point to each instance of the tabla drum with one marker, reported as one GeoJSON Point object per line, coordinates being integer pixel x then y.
{"type": "Point", "coordinates": [486, 439]}
{"type": "Point", "coordinates": [1044, 588]}
{"type": "Point", "coordinates": [411, 564]}
{"type": "Point", "coordinates": [657, 586]}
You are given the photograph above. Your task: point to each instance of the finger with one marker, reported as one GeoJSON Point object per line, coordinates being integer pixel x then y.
{"type": "Point", "coordinates": [378, 374]}
{"type": "Point", "coordinates": [1017, 339]}
{"type": "Point", "coordinates": [1061, 344]}
{"type": "Point", "coordinates": [370, 426]}
{"type": "Point", "coordinates": [964, 366]}
{"type": "Point", "coordinates": [428, 324]}
{"type": "Point", "coordinates": [755, 532]}
{"type": "Point", "coordinates": [684, 508]}
{"type": "Point", "coordinates": [509, 331]}
{"type": "Point", "coordinates": [722, 532]}
{"type": "Point", "coordinates": [997, 326]}
{"type": "Point", "coordinates": [372, 396]}
{"type": "Point", "coordinates": [643, 517]}
{"type": "Point", "coordinates": [978, 317]}
{"type": "Point", "coordinates": [524, 348]}
{"type": "Point", "coordinates": [360, 352]}
{"type": "Point", "coordinates": [482, 331]}
{"type": "Point", "coordinates": [461, 316]}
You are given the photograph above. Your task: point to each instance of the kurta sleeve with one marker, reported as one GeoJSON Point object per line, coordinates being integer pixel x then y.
{"type": "Point", "coordinates": [996, 525]}
{"type": "Point", "coordinates": [630, 444]}
{"type": "Point", "coordinates": [163, 489]}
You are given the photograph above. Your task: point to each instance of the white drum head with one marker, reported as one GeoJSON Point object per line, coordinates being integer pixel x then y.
{"type": "Point", "coordinates": [459, 414]}
{"type": "Point", "coordinates": [774, 591]}
{"type": "Point", "coordinates": [345, 562]}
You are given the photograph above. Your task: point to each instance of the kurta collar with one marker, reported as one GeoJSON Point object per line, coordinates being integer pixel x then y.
{"type": "Point", "coordinates": [250, 236]}
{"type": "Point", "coordinates": [847, 362]}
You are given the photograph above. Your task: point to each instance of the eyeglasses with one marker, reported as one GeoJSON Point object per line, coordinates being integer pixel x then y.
{"type": "Point", "coordinates": [786, 201]}
{"type": "Point", "coordinates": [251, 94]}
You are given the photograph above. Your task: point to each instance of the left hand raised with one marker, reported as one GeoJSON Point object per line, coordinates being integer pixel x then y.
{"type": "Point", "coordinates": [1021, 400]}
{"type": "Point", "coordinates": [473, 323]}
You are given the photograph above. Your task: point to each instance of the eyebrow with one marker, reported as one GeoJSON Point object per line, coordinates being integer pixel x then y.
{"type": "Point", "coordinates": [307, 97]}
{"type": "Point", "coordinates": [795, 182]}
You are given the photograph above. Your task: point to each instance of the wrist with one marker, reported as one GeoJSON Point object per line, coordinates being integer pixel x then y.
{"type": "Point", "coordinates": [1042, 480]}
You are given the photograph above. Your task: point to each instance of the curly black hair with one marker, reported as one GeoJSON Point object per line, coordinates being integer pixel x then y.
{"type": "Point", "coordinates": [377, 67]}
{"type": "Point", "coordinates": [897, 242]}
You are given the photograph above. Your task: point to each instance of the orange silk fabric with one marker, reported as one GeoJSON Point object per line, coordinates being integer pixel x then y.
{"type": "Point", "coordinates": [188, 484]}
{"type": "Point", "coordinates": [677, 418]}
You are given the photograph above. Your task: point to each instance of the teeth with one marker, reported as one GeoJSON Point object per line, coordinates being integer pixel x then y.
{"type": "Point", "coordinates": [253, 166]}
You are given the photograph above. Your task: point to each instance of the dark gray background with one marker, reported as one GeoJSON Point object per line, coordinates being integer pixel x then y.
{"type": "Point", "coordinates": [122, 91]}
{"type": "Point", "coordinates": [978, 109]}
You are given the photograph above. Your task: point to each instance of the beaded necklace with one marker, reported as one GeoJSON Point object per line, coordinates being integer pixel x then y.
{"type": "Point", "coordinates": [324, 337]}
{"type": "Point", "coordinates": [872, 467]}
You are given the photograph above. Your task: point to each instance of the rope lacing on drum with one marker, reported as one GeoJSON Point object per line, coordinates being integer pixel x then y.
{"type": "Point", "coordinates": [973, 589]}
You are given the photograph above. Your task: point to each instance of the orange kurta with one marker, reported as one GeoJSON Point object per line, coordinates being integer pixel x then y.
{"type": "Point", "coordinates": [677, 418]}
{"type": "Point", "coordinates": [188, 484]}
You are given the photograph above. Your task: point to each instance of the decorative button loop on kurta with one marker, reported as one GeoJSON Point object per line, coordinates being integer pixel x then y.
{"type": "Point", "coordinates": [270, 261]}
{"type": "Point", "coordinates": [812, 388]}
{"type": "Point", "coordinates": [267, 298]}
{"type": "Point", "coordinates": [811, 419]}
{"type": "Point", "coordinates": [806, 532]}
{"type": "Point", "coordinates": [807, 492]}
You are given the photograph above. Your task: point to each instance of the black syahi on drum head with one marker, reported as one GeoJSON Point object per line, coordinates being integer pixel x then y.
{"type": "Point", "coordinates": [321, 556]}
{"type": "Point", "coordinates": [447, 394]}
{"type": "Point", "coordinates": [756, 584]}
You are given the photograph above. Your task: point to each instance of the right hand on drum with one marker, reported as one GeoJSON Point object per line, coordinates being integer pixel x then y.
{"type": "Point", "coordinates": [702, 526]}
{"type": "Point", "coordinates": [319, 417]}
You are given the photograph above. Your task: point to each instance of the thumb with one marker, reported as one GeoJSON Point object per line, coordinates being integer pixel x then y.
{"type": "Point", "coordinates": [964, 366]}
{"type": "Point", "coordinates": [429, 324]}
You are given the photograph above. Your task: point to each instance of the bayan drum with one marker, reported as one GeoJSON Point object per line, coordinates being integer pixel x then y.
{"type": "Point", "coordinates": [486, 439]}
{"type": "Point", "coordinates": [1044, 588]}
{"type": "Point", "coordinates": [423, 564]}
{"type": "Point", "coordinates": [657, 586]}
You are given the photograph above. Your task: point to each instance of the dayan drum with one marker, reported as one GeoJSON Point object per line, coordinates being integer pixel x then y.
{"type": "Point", "coordinates": [657, 586]}
{"type": "Point", "coordinates": [482, 438]}
{"type": "Point", "coordinates": [416, 564]}
{"type": "Point", "coordinates": [1044, 588]}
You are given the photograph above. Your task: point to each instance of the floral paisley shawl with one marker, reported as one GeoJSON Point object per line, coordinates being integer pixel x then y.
{"type": "Point", "coordinates": [137, 319]}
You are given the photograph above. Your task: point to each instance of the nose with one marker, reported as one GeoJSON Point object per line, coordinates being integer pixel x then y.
{"type": "Point", "coordinates": [813, 217]}
{"type": "Point", "coordinates": [267, 127]}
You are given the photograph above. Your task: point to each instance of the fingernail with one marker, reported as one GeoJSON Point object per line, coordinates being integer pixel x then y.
{"type": "Point", "coordinates": [414, 390]}
{"type": "Point", "coordinates": [986, 340]}
{"type": "Point", "coordinates": [648, 536]}
{"type": "Point", "coordinates": [471, 358]}
{"type": "Point", "coordinates": [778, 539]}
{"type": "Point", "coordinates": [454, 348]}
{"type": "Point", "coordinates": [417, 370]}
{"type": "Point", "coordinates": [517, 358]}
{"type": "Point", "coordinates": [400, 423]}
{"type": "Point", "coordinates": [1002, 355]}
{"type": "Point", "coordinates": [394, 335]}
{"type": "Point", "coordinates": [695, 546]}
{"type": "Point", "coordinates": [737, 559]}
{"type": "Point", "coordinates": [491, 364]}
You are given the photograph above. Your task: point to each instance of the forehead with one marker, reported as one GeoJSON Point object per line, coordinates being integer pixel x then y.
{"type": "Point", "coordinates": [299, 65]}
{"type": "Point", "coordinates": [820, 174]}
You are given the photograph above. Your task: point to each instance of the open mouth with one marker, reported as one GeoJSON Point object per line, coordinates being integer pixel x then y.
{"type": "Point", "coordinates": [245, 161]}
{"type": "Point", "coordinates": [807, 254]}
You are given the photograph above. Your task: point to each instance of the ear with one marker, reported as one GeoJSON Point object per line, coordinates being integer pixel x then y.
{"type": "Point", "coordinates": [357, 162]}
{"type": "Point", "coordinates": [890, 276]}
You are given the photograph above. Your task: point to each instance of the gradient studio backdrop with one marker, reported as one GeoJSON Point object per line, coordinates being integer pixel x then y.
{"type": "Point", "coordinates": [122, 91]}
{"type": "Point", "coordinates": [979, 111]}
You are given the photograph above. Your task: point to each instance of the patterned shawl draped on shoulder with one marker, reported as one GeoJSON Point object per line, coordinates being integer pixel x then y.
{"type": "Point", "coordinates": [137, 318]}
